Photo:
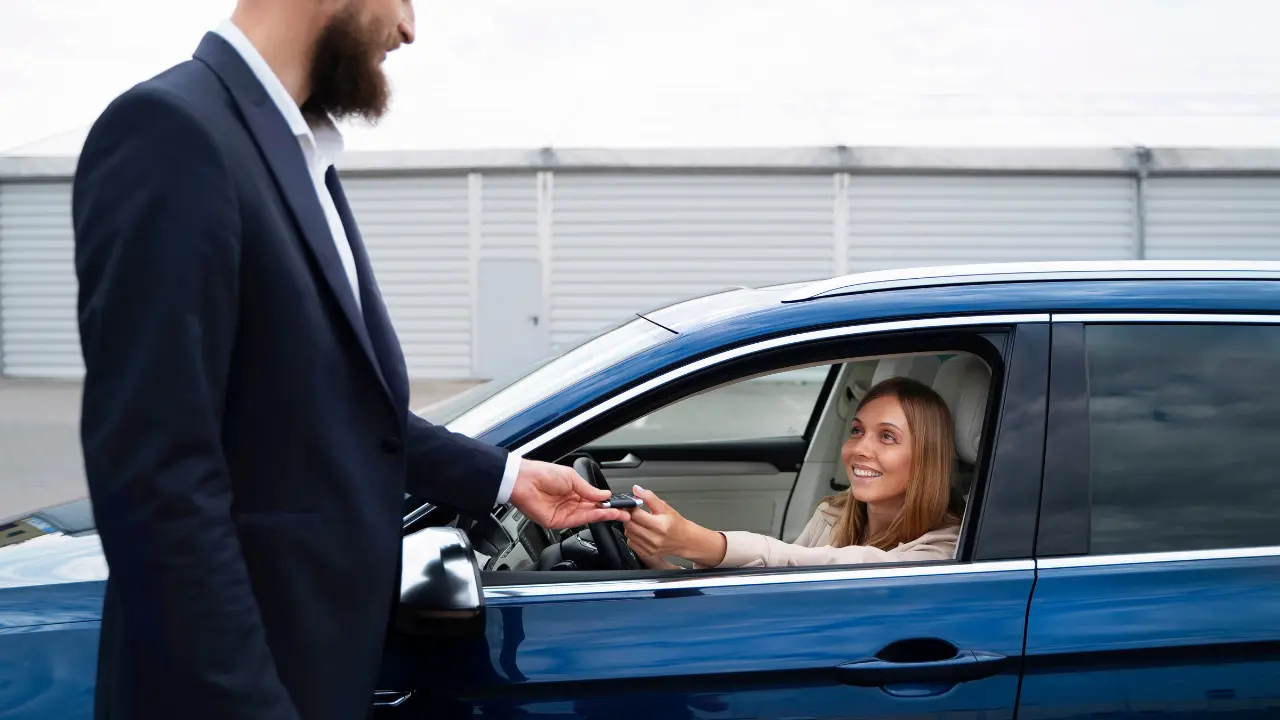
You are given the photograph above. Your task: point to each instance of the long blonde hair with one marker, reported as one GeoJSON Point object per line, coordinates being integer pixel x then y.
{"type": "Point", "coordinates": [929, 503]}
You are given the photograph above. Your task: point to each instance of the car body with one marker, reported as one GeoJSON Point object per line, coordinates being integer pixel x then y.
{"type": "Point", "coordinates": [1119, 556]}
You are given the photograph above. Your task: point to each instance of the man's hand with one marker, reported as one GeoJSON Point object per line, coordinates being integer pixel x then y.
{"type": "Point", "coordinates": [556, 497]}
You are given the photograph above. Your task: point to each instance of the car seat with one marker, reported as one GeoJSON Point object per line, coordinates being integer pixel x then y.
{"type": "Point", "coordinates": [964, 382]}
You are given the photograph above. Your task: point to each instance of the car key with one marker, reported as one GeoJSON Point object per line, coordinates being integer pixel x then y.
{"type": "Point", "coordinates": [623, 501]}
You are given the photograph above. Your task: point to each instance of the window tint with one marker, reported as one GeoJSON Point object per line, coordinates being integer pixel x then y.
{"type": "Point", "coordinates": [771, 406]}
{"type": "Point", "coordinates": [1184, 436]}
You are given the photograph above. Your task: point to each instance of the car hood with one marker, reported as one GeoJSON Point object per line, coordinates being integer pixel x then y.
{"type": "Point", "coordinates": [52, 546]}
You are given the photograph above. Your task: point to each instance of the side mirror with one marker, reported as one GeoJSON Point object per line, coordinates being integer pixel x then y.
{"type": "Point", "coordinates": [440, 589]}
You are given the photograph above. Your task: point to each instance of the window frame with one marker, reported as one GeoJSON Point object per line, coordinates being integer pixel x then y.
{"type": "Point", "coordinates": [1007, 481]}
{"type": "Point", "coordinates": [1063, 536]}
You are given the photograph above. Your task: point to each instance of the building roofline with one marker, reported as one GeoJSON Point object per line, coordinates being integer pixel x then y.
{"type": "Point", "coordinates": [1079, 160]}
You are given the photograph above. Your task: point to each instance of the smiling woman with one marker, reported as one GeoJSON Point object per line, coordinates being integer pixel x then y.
{"type": "Point", "coordinates": [899, 506]}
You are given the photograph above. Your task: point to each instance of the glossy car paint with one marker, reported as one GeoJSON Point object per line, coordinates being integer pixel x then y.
{"type": "Point", "coordinates": [1146, 637]}
{"type": "Point", "coordinates": [50, 605]}
{"type": "Point", "coordinates": [51, 586]}
{"type": "Point", "coordinates": [763, 651]}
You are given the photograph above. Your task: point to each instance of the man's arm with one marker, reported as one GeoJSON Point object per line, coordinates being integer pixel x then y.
{"type": "Point", "coordinates": [157, 250]}
{"type": "Point", "coordinates": [452, 469]}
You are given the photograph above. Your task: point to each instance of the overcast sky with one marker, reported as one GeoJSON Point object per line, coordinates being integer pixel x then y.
{"type": "Point", "coordinates": [599, 73]}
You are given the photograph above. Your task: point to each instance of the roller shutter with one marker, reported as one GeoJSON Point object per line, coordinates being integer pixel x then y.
{"type": "Point", "coordinates": [1199, 218]}
{"type": "Point", "coordinates": [626, 243]}
{"type": "Point", "coordinates": [903, 221]}
{"type": "Point", "coordinates": [39, 336]}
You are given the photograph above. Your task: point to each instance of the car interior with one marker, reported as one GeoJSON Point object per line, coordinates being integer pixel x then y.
{"type": "Point", "coordinates": [756, 454]}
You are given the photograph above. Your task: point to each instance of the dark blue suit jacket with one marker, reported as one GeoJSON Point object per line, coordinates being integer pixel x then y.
{"type": "Point", "coordinates": [246, 430]}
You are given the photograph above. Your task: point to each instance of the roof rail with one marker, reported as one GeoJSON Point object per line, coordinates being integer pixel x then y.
{"type": "Point", "coordinates": [953, 275]}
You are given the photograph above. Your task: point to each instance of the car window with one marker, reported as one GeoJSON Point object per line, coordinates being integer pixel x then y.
{"type": "Point", "coordinates": [1184, 432]}
{"type": "Point", "coordinates": [771, 406]}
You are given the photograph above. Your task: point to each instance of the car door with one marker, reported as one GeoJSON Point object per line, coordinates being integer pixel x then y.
{"type": "Point", "coordinates": [915, 639]}
{"type": "Point", "coordinates": [1159, 544]}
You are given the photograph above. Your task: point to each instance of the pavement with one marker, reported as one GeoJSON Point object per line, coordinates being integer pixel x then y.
{"type": "Point", "coordinates": [40, 458]}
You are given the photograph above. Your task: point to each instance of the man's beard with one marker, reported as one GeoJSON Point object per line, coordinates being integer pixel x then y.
{"type": "Point", "coordinates": [346, 72]}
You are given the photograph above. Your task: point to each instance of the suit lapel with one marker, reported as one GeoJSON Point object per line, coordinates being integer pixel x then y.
{"type": "Point", "coordinates": [280, 148]}
{"type": "Point", "coordinates": [378, 321]}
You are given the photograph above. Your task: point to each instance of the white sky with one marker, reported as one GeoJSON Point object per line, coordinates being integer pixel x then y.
{"type": "Point", "coordinates": [672, 73]}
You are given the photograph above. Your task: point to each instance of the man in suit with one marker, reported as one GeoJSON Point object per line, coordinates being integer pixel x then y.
{"type": "Point", "coordinates": [246, 430]}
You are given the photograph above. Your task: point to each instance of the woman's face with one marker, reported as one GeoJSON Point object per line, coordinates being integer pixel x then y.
{"type": "Point", "coordinates": [877, 456]}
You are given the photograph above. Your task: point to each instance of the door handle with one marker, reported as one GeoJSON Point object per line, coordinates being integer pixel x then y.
{"type": "Point", "coordinates": [967, 665]}
{"type": "Point", "coordinates": [630, 461]}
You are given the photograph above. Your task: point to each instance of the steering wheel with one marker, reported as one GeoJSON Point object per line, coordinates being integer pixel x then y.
{"type": "Point", "coordinates": [610, 542]}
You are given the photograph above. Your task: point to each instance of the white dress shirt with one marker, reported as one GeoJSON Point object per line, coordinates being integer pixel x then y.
{"type": "Point", "coordinates": [321, 144]}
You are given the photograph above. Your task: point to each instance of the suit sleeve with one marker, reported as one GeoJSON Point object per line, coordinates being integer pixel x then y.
{"type": "Point", "coordinates": [157, 245]}
{"type": "Point", "coordinates": [449, 468]}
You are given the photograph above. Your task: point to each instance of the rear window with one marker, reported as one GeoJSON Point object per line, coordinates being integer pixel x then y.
{"type": "Point", "coordinates": [1184, 424]}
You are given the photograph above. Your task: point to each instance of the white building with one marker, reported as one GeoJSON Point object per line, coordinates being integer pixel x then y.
{"type": "Point", "coordinates": [490, 259]}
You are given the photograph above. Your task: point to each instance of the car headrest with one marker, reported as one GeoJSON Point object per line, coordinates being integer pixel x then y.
{"type": "Point", "coordinates": [919, 367]}
{"type": "Point", "coordinates": [964, 382]}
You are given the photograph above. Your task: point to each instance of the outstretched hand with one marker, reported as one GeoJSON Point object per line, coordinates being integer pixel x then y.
{"type": "Point", "coordinates": [661, 532]}
{"type": "Point", "coordinates": [556, 497]}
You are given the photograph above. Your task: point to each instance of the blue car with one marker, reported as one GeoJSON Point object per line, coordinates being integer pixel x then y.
{"type": "Point", "coordinates": [1118, 455]}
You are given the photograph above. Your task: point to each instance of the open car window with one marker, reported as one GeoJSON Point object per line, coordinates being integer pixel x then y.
{"type": "Point", "coordinates": [757, 450]}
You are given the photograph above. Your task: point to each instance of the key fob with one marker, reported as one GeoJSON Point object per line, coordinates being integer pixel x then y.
{"type": "Point", "coordinates": [623, 501]}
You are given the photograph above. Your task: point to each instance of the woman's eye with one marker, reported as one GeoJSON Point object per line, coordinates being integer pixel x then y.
{"type": "Point", "coordinates": [888, 437]}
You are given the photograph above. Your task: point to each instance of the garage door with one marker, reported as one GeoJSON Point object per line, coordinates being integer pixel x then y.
{"type": "Point", "coordinates": [1198, 218]}
{"type": "Point", "coordinates": [38, 332]}
{"type": "Point", "coordinates": [903, 221]}
{"type": "Point", "coordinates": [417, 233]}
{"type": "Point", "coordinates": [627, 243]}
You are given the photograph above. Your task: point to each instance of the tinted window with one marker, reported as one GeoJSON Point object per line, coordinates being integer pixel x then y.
{"type": "Point", "coordinates": [1184, 436]}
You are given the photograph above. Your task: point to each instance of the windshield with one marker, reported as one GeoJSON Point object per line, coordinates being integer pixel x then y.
{"type": "Point", "coordinates": [482, 407]}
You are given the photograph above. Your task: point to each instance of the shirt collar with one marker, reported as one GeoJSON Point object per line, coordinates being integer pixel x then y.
{"type": "Point", "coordinates": [320, 133]}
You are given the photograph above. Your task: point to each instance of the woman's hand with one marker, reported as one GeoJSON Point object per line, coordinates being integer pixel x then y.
{"type": "Point", "coordinates": [662, 532]}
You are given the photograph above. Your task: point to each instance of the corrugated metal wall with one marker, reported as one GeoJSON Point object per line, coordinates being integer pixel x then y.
{"type": "Point", "coordinates": [417, 230]}
{"type": "Point", "coordinates": [627, 243]}
{"type": "Point", "coordinates": [39, 336]}
{"type": "Point", "coordinates": [1222, 218]}
{"type": "Point", "coordinates": [616, 243]}
{"type": "Point", "coordinates": [901, 221]}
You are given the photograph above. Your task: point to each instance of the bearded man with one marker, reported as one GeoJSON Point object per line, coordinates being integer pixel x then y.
{"type": "Point", "coordinates": [245, 423]}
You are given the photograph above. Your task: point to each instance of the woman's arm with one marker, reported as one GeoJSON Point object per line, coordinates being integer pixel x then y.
{"type": "Point", "coordinates": [661, 532]}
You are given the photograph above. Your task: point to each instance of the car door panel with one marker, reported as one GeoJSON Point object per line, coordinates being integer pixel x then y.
{"type": "Point", "coordinates": [739, 647]}
{"type": "Point", "coordinates": [914, 639]}
{"type": "Point", "coordinates": [1158, 590]}
{"type": "Point", "coordinates": [1143, 638]}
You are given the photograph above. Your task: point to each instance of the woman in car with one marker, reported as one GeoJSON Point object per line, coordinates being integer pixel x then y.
{"type": "Point", "coordinates": [899, 506]}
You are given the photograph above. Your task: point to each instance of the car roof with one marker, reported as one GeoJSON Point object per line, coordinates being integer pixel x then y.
{"type": "Point", "coordinates": [737, 303]}
{"type": "Point", "coordinates": [736, 317]}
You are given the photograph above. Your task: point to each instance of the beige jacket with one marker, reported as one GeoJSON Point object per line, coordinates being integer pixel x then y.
{"type": "Point", "coordinates": [813, 547]}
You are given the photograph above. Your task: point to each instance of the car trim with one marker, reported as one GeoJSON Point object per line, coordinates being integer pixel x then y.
{"type": "Point", "coordinates": [786, 577]}
{"type": "Point", "coordinates": [771, 344]}
{"type": "Point", "coordinates": [1082, 561]}
{"type": "Point", "coordinates": [1179, 317]}
{"type": "Point", "coordinates": [952, 275]}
